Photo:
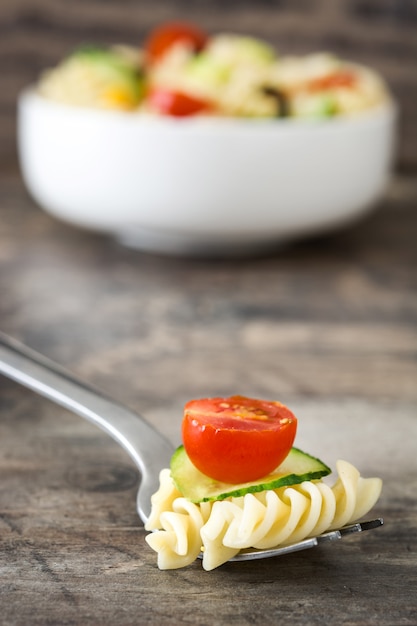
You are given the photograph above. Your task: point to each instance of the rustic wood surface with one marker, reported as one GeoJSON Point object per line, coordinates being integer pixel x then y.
{"type": "Point", "coordinates": [327, 326]}
{"type": "Point", "coordinates": [36, 34]}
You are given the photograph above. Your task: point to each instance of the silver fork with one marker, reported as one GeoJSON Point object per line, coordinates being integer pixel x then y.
{"type": "Point", "coordinates": [149, 450]}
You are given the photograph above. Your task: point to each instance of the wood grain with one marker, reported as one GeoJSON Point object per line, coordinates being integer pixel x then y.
{"type": "Point", "coordinates": [36, 34]}
{"type": "Point", "coordinates": [328, 326]}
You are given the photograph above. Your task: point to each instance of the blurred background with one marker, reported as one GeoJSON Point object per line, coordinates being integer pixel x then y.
{"type": "Point", "coordinates": [347, 300]}
{"type": "Point", "coordinates": [36, 34]}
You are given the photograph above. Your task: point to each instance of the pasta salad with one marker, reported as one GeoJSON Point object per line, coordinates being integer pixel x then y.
{"type": "Point", "coordinates": [193, 512]}
{"type": "Point", "coordinates": [181, 71]}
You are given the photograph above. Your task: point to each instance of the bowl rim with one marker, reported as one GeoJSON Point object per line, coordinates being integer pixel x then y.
{"type": "Point", "coordinates": [386, 110]}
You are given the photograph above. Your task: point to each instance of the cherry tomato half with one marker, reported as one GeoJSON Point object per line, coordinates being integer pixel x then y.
{"type": "Point", "coordinates": [176, 103]}
{"type": "Point", "coordinates": [165, 36]}
{"type": "Point", "coordinates": [237, 439]}
{"type": "Point", "coordinates": [343, 78]}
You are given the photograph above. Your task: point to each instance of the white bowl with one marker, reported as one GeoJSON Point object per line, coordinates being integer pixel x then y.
{"type": "Point", "coordinates": [202, 185]}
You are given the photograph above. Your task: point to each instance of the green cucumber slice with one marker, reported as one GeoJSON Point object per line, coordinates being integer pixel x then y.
{"type": "Point", "coordinates": [197, 487]}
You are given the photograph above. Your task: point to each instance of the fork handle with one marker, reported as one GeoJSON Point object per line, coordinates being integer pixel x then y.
{"type": "Point", "coordinates": [149, 450]}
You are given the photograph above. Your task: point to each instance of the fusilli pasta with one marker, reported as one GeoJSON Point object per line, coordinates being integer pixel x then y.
{"type": "Point", "coordinates": [262, 520]}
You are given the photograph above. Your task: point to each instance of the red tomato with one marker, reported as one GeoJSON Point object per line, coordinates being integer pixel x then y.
{"type": "Point", "coordinates": [343, 78]}
{"type": "Point", "coordinates": [176, 103]}
{"type": "Point", "coordinates": [163, 37]}
{"type": "Point", "coordinates": [237, 439]}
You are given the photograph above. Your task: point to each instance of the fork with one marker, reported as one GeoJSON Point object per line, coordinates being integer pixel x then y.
{"type": "Point", "coordinates": [149, 450]}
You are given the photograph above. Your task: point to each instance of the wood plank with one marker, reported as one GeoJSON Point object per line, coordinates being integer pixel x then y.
{"type": "Point", "coordinates": [328, 326]}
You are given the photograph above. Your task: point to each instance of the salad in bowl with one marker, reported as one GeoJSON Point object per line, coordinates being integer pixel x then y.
{"type": "Point", "coordinates": [204, 144]}
{"type": "Point", "coordinates": [181, 71]}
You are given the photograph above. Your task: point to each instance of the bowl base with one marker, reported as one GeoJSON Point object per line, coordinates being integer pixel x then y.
{"type": "Point", "coordinates": [176, 244]}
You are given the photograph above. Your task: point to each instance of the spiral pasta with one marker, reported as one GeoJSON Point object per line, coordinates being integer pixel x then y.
{"type": "Point", "coordinates": [262, 520]}
{"type": "Point", "coordinates": [234, 75]}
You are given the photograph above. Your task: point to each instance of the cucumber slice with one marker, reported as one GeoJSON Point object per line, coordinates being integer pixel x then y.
{"type": "Point", "coordinates": [197, 487]}
{"type": "Point", "coordinates": [315, 106]}
{"type": "Point", "coordinates": [111, 68]}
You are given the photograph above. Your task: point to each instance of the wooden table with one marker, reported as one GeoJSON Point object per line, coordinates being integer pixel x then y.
{"type": "Point", "coordinates": [326, 326]}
